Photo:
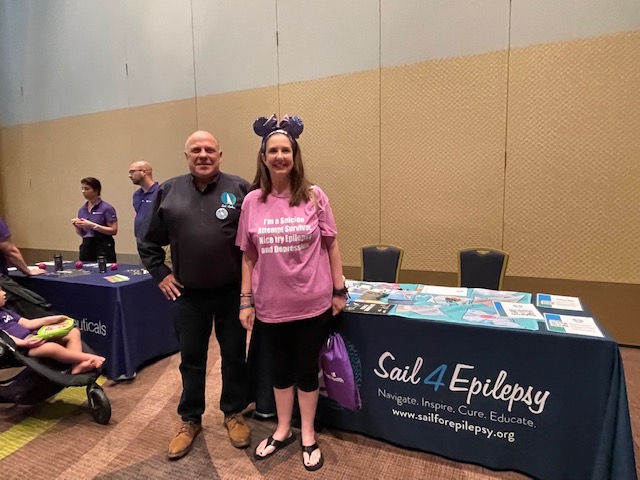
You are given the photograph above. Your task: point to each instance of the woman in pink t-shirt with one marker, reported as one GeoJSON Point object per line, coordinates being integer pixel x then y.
{"type": "Point", "coordinates": [291, 278]}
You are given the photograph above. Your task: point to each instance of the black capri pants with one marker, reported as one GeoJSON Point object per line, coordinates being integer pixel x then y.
{"type": "Point", "coordinates": [293, 349]}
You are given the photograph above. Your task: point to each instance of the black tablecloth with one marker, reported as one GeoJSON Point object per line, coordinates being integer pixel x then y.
{"type": "Point", "coordinates": [569, 419]}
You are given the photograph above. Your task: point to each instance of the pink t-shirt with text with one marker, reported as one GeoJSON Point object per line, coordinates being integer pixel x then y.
{"type": "Point", "coordinates": [292, 276]}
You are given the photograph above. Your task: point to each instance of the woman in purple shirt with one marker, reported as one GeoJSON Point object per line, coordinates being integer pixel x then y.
{"type": "Point", "coordinates": [96, 223]}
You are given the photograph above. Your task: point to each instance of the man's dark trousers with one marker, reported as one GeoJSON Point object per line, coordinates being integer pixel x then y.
{"type": "Point", "coordinates": [194, 313]}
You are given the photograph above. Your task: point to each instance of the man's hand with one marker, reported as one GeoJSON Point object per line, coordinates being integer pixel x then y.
{"type": "Point", "coordinates": [36, 271]}
{"type": "Point", "coordinates": [170, 287]}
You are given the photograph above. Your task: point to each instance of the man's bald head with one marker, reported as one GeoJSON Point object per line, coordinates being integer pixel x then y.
{"type": "Point", "coordinates": [141, 173]}
{"type": "Point", "coordinates": [141, 165]}
{"type": "Point", "coordinates": [203, 154]}
{"type": "Point", "coordinates": [200, 134]}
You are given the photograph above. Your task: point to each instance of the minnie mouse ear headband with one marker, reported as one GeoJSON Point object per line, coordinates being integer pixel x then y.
{"type": "Point", "coordinates": [290, 126]}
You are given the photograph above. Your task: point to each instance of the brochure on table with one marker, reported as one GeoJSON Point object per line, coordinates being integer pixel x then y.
{"type": "Point", "coordinates": [572, 324]}
{"type": "Point", "coordinates": [559, 302]}
{"type": "Point", "coordinates": [471, 306]}
{"type": "Point", "coordinates": [457, 305]}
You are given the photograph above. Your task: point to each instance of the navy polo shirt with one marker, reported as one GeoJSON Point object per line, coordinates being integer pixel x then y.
{"type": "Point", "coordinates": [141, 204]}
{"type": "Point", "coordinates": [102, 213]}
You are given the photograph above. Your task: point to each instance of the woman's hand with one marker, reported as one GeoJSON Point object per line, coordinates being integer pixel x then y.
{"type": "Point", "coordinates": [338, 304]}
{"type": "Point", "coordinates": [247, 317]}
{"type": "Point", "coordinates": [83, 223]}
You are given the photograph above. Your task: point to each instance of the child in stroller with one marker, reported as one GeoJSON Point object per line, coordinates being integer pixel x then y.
{"type": "Point", "coordinates": [67, 349]}
{"type": "Point", "coordinates": [65, 364]}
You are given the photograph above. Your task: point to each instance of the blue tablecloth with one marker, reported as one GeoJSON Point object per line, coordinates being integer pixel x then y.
{"type": "Point", "coordinates": [128, 322]}
{"type": "Point", "coordinates": [448, 388]}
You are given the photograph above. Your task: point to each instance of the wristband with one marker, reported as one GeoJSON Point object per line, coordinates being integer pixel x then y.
{"type": "Point", "coordinates": [245, 295]}
{"type": "Point", "coordinates": [248, 305]}
{"type": "Point", "coordinates": [341, 292]}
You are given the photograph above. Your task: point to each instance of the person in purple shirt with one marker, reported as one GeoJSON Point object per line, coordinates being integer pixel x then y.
{"type": "Point", "coordinates": [66, 349]}
{"type": "Point", "coordinates": [141, 174]}
{"type": "Point", "coordinates": [96, 223]}
{"type": "Point", "coordinates": [10, 255]}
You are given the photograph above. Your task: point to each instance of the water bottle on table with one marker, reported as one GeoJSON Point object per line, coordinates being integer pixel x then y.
{"type": "Point", "coordinates": [102, 264]}
{"type": "Point", "coordinates": [57, 262]}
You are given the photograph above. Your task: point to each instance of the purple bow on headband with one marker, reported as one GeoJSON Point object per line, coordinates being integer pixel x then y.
{"type": "Point", "coordinates": [264, 126]}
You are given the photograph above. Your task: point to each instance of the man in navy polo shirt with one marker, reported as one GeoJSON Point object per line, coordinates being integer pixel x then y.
{"type": "Point", "coordinates": [141, 174]}
{"type": "Point", "coordinates": [10, 255]}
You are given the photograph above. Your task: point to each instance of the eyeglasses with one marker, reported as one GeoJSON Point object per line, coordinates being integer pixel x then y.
{"type": "Point", "coordinates": [131, 172]}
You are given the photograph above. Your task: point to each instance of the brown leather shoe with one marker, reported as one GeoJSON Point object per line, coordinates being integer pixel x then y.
{"type": "Point", "coordinates": [183, 441]}
{"type": "Point", "coordinates": [239, 432]}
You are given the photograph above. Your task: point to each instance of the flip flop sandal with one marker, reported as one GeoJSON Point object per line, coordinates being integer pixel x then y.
{"type": "Point", "coordinates": [277, 444]}
{"type": "Point", "coordinates": [309, 450]}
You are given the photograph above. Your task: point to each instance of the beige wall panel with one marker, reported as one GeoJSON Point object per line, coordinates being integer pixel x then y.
{"type": "Point", "coordinates": [573, 170]}
{"type": "Point", "coordinates": [46, 160]}
{"type": "Point", "coordinates": [157, 135]}
{"type": "Point", "coordinates": [42, 166]}
{"type": "Point", "coordinates": [230, 117]}
{"type": "Point", "coordinates": [442, 150]}
{"type": "Point", "coordinates": [341, 150]}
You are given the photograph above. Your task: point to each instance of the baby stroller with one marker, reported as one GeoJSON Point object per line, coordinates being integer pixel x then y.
{"type": "Point", "coordinates": [42, 378]}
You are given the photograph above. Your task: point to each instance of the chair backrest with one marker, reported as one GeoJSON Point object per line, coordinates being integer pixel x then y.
{"type": "Point", "coordinates": [381, 263]}
{"type": "Point", "coordinates": [482, 268]}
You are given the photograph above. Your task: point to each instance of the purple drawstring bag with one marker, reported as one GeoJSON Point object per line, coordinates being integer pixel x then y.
{"type": "Point", "coordinates": [338, 374]}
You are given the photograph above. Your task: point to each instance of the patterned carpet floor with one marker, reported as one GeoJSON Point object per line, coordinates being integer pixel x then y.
{"type": "Point", "coordinates": [60, 440]}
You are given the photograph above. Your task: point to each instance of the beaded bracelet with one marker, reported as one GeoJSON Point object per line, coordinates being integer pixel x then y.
{"type": "Point", "coordinates": [248, 305]}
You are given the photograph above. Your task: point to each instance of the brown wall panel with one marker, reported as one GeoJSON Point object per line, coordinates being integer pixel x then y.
{"type": "Point", "coordinates": [573, 163]}
{"type": "Point", "coordinates": [45, 162]}
{"type": "Point", "coordinates": [341, 150]}
{"type": "Point", "coordinates": [442, 157]}
{"type": "Point", "coordinates": [230, 117]}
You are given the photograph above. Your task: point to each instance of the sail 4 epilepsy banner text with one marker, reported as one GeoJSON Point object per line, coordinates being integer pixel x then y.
{"type": "Point", "coordinates": [460, 383]}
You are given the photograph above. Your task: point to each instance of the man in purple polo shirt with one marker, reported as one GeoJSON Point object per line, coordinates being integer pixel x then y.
{"type": "Point", "coordinates": [10, 255]}
{"type": "Point", "coordinates": [141, 174]}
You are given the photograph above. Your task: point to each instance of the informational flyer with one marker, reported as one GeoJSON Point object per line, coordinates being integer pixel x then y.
{"type": "Point", "coordinates": [117, 278]}
{"type": "Point", "coordinates": [436, 290]}
{"type": "Point", "coordinates": [559, 302]}
{"type": "Point", "coordinates": [371, 308]}
{"type": "Point", "coordinates": [449, 300]}
{"type": "Point", "coordinates": [420, 310]}
{"type": "Point", "coordinates": [480, 317]}
{"type": "Point", "coordinates": [517, 310]}
{"type": "Point", "coordinates": [572, 324]}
